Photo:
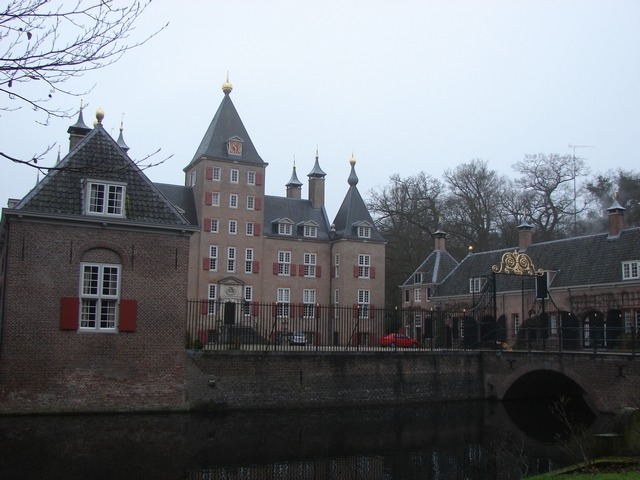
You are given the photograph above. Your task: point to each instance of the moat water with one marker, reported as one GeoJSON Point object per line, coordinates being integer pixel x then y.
{"type": "Point", "coordinates": [454, 440]}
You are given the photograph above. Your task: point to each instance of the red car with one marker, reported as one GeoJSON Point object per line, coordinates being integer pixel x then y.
{"type": "Point", "coordinates": [394, 340]}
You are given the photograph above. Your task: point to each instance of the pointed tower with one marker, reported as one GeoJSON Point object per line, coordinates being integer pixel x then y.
{"type": "Point", "coordinates": [121, 143]}
{"type": "Point", "coordinates": [78, 130]}
{"type": "Point", "coordinates": [294, 186]}
{"type": "Point", "coordinates": [316, 184]}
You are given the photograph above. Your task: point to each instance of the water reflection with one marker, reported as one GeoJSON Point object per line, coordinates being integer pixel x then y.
{"type": "Point", "coordinates": [470, 440]}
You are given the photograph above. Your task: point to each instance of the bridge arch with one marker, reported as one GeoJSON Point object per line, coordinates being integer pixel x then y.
{"type": "Point", "coordinates": [548, 381]}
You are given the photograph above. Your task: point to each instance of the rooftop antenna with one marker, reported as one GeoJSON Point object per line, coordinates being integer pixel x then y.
{"type": "Point", "coordinates": [575, 206]}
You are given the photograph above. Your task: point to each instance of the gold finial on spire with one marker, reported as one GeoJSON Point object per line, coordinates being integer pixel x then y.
{"type": "Point", "coordinates": [352, 162]}
{"type": "Point", "coordinates": [99, 114]}
{"type": "Point", "coordinates": [226, 86]}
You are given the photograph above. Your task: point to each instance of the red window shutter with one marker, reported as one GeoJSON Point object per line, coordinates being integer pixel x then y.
{"type": "Point", "coordinates": [208, 198]}
{"type": "Point", "coordinates": [258, 204]}
{"type": "Point", "coordinates": [206, 264]}
{"type": "Point", "coordinates": [372, 311]}
{"type": "Point", "coordinates": [209, 173]}
{"type": "Point", "coordinates": [69, 311]}
{"type": "Point", "coordinates": [204, 307]}
{"type": "Point", "coordinates": [300, 310]}
{"type": "Point", "coordinates": [274, 310]}
{"type": "Point", "coordinates": [355, 310]}
{"type": "Point", "coordinates": [128, 315]}
{"type": "Point", "coordinates": [356, 271]}
{"type": "Point", "coordinates": [207, 224]}
{"type": "Point", "coordinates": [275, 268]}
{"type": "Point", "coordinates": [332, 271]}
{"type": "Point", "coordinates": [372, 272]}
{"type": "Point", "coordinates": [318, 271]}
{"type": "Point", "coordinates": [254, 309]}
{"type": "Point", "coordinates": [301, 270]}
{"type": "Point", "coordinates": [293, 270]}
{"type": "Point", "coordinates": [259, 179]}
{"type": "Point", "coordinates": [256, 229]}
{"type": "Point", "coordinates": [255, 268]}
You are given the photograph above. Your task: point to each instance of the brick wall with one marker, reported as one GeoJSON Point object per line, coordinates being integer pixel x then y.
{"type": "Point", "coordinates": [46, 369]}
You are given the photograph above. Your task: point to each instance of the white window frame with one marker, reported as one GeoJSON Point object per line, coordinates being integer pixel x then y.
{"type": "Point", "coordinates": [215, 199]}
{"type": "Point", "coordinates": [231, 259]}
{"type": "Point", "coordinates": [213, 258]}
{"type": "Point", "coordinates": [215, 225]}
{"type": "Point", "coordinates": [631, 317]}
{"type": "Point", "coordinates": [631, 270]}
{"type": "Point", "coordinates": [212, 291]}
{"type": "Point", "coordinates": [99, 296]}
{"type": "Point", "coordinates": [476, 284]}
{"type": "Point", "coordinates": [251, 177]}
{"type": "Point", "coordinates": [248, 298]}
{"type": "Point", "coordinates": [283, 299]}
{"type": "Point", "coordinates": [417, 295]}
{"type": "Point", "coordinates": [364, 303]}
{"type": "Point", "coordinates": [515, 319]}
{"type": "Point", "coordinates": [248, 260]}
{"type": "Point", "coordinates": [217, 174]}
{"type": "Point", "coordinates": [105, 198]}
{"type": "Point", "coordinates": [310, 231]}
{"type": "Point", "coordinates": [364, 265]}
{"type": "Point", "coordinates": [310, 264]}
{"type": "Point", "coordinates": [285, 229]}
{"type": "Point", "coordinates": [309, 303]}
{"type": "Point", "coordinates": [234, 175]}
{"type": "Point", "coordinates": [249, 229]}
{"type": "Point", "coordinates": [336, 265]}
{"type": "Point", "coordinates": [284, 263]}
{"type": "Point", "coordinates": [233, 227]}
{"type": "Point", "coordinates": [251, 202]}
{"type": "Point", "coordinates": [192, 178]}
{"type": "Point", "coordinates": [233, 200]}
{"type": "Point", "coordinates": [364, 231]}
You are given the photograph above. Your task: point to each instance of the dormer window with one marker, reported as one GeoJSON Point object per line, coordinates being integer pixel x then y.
{"type": "Point", "coordinates": [631, 270]}
{"type": "Point", "coordinates": [105, 198]}
{"type": "Point", "coordinates": [417, 278]}
{"type": "Point", "coordinates": [234, 146]}
{"type": "Point", "coordinates": [284, 228]}
{"type": "Point", "coordinates": [363, 229]}
{"type": "Point", "coordinates": [310, 231]}
{"type": "Point", "coordinates": [476, 284]}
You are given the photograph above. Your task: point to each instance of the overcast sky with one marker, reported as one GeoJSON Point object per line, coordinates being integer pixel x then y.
{"type": "Point", "coordinates": [406, 86]}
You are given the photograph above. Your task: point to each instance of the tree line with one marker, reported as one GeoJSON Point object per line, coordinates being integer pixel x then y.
{"type": "Point", "coordinates": [480, 209]}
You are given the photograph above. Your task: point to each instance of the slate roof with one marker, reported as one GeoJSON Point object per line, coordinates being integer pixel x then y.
{"type": "Point", "coordinates": [352, 212]}
{"type": "Point", "coordinates": [577, 262]}
{"type": "Point", "coordinates": [434, 268]}
{"type": "Point", "coordinates": [296, 210]}
{"type": "Point", "coordinates": [182, 198]}
{"type": "Point", "coordinates": [226, 124]}
{"type": "Point", "coordinates": [98, 157]}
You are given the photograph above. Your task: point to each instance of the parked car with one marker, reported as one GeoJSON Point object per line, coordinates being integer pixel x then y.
{"type": "Point", "coordinates": [397, 340]}
{"type": "Point", "coordinates": [297, 338]}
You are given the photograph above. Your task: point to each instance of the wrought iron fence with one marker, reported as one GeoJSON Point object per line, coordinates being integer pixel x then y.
{"type": "Point", "coordinates": [224, 325]}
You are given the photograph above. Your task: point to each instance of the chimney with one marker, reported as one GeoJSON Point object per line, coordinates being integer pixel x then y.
{"type": "Point", "coordinates": [294, 186]}
{"type": "Point", "coordinates": [316, 185]}
{"type": "Point", "coordinates": [440, 240]}
{"type": "Point", "coordinates": [525, 234]}
{"type": "Point", "coordinates": [77, 131]}
{"type": "Point", "coordinates": [616, 218]}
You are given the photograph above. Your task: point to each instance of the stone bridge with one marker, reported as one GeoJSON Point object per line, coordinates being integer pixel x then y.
{"type": "Point", "coordinates": [224, 380]}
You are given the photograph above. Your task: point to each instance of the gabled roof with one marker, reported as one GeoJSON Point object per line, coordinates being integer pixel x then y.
{"type": "Point", "coordinates": [297, 211]}
{"type": "Point", "coordinates": [98, 157]}
{"type": "Point", "coordinates": [576, 262]}
{"type": "Point", "coordinates": [435, 268]}
{"type": "Point", "coordinates": [226, 125]}
{"type": "Point", "coordinates": [182, 198]}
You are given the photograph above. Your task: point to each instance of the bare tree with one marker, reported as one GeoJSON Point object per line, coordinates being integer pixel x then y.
{"type": "Point", "coordinates": [550, 182]}
{"type": "Point", "coordinates": [48, 43]}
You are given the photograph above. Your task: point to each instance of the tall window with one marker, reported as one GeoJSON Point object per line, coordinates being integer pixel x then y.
{"type": "Point", "coordinates": [215, 225]}
{"type": "Point", "coordinates": [631, 321]}
{"type": "Point", "coordinates": [364, 266]}
{"type": "Point", "coordinates": [283, 299]}
{"type": "Point", "coordinates": [363, 303]}
{"type": "Point", "coordinates": [235, 174]}
{"type": "Point", "coordinates": [309, 301]}
{"type": "Point", "coordinates": [233, 227]}
{"type": "Point", "coordinates": [248, 260]}
{"type": "Point", "coordinates": [105, 199]}
{"type": "Point", "coordinates": [192, 178]}
{"type": "Point", "coordinates": [248, 298]}
{"type": "Point", "coordinates": [631, 270]}
{"type": "Point", "coordinates": [336, 265]}
{"type": "Point", "coordinates": [213, 258]}
{"type": "Point", "coordinates": [217, 173]}
{"type": "Point", "coordinates": [309, 264]}
{"type": "Point", "coordinates": [284, 263]}
{"type": "Point", "coordinates": [231, 259]}
{"type": "Point", "coordinates": [515, 319]}
{"type": "Point", "coordinates": [251, 202]}
{"type": "Point", "coordinates": [417, 295]}
{"type": "Point", "coordinates": [99, 295]}
{"type": "Point", "coordinates": [336, 303]}
{"type": "Point", "coordinates": [251, 177]}
{"type": "Point", "coordinates": [215, 199]}
{"type": "Point", "coordinates": [417, 278]}
{"type": "Point", "coordinates": [212, 298]}
{"type": "Point", "coordinates": [233, 200]}
{"type": "Point", "coordinates": [249, 230]}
